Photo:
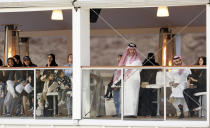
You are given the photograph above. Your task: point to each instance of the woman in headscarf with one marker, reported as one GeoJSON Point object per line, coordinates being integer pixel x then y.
{"type": "Point", "coordinates": [27, 62]}
{"type": "Point", "coordinates": [9, 80]}
{"type": "Point", "coordinates": [17, 61]}
{"type": "Point", "coordinates": [29, 78]}
{"type": "Point", "coordinates": [178, 82]}
{"type": "Point", "coordinates": [51, 60]}
{"type": "Point", "coordinates": [146, 95]}
{"type": "Point", "coordinates": [196, 83]}
{"type": "Point", "coordinates": [49, 105]}
{"type": "Point", "coordinates": [131, 80]}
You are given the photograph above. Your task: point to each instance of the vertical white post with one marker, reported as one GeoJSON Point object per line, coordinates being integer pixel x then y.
{"type": "Point", "coordinates": [164, 71]}
{"type": "Point", "coordinates": [122, 94]}
{"type": "Point", "coordinates": [35, 93]}
{"type": "Point", "coordinates": [81, 55]}
{"type": "Point", "coordinates": [208, 54]}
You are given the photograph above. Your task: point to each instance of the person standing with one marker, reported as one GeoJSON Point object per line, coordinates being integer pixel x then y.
{"type": "Point", "coordinates": [131, 80]}
{"type": "Point", "coordinates": [146, 95]}
{"type": "Point", "coordinates": [50, 63]}
{"type": "Point", "coordinates": [29, 78]}
{"type": "Point", "coordinates": [68, 73]}
{"type": "Point", "coordinates": [116, 93]}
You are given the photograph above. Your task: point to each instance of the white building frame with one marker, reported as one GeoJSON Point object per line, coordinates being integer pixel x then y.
{"type": "Point", "coordinates": [81, 53]}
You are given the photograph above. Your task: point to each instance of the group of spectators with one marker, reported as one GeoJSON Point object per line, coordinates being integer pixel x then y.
{"type": "Point", "coordinates": [17, 87]}
{"type": "Point", "coordinates": [139, 100]}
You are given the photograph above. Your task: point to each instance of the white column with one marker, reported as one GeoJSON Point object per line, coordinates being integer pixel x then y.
{"type": "Point", "coordinates": [81, 55]}
{"type": "Point", "coordinates": [208, 54]}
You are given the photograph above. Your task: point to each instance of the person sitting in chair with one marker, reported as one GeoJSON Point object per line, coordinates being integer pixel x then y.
{"type": "Point", "coordinates": [196, 83]}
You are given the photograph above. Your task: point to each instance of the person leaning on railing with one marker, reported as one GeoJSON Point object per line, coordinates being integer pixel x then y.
{"type": "Point", "coordinates": [10, 83]}
{"type": "Point", "coordinates": [49, 106]}
{"type": "Point", "coordinates": [18, 61]}
{"type": "Point", "coordinates": [29, 78]}
{"type": "Point", "coordinates": [196, 83]}
{"type": "Point", "coordinates": [68, 73]}
{"type": "Point", "coordinates": [116, 91]}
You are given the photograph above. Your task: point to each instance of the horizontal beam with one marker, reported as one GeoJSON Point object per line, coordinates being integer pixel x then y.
{"type": "Point", "coordinates": [136, 3]}
{"type": "Point", "coordinates": [35, 5]}
{"type": "Point", "coordinates": [41, 5]}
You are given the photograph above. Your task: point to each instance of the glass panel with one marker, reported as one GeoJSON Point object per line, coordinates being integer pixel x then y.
{"type": "Point", "coordinates": [16, 93]}
{"type": "Point", "coordinates": [54, 93]}
{"type": "Point", "coordinates": [143, 94]}
{"type": "Point", "coordinates": [101, 98]}
{"type": "Point", "coordinates": [186, 94]}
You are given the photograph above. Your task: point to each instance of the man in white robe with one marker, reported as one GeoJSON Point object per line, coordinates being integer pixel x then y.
{"type": "Point", "coordinates": [178, 82]}
{"type": "Point", "coordinates": [131, 80]}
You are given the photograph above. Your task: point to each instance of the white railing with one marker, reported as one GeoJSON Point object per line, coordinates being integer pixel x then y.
{"type": "Point", "coordinates": [107, 121]}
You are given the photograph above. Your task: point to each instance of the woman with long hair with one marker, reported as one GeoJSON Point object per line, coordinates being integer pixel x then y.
{"type": "Point", "coordinates": [196, 83]}
{"type": "Point", "coordinates": [18, 61]}
{"type": "Point", "coordinates": [51, 60]}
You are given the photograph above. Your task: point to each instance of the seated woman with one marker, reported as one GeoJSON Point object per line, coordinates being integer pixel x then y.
{"type": "Point", "coordinates": [196, 83]}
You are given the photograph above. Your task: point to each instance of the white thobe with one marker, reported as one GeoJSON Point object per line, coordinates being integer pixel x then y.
{"type": "Point", "coordinates": [177, 93]}
{"type": "Point", "coordinates": [131, 89]}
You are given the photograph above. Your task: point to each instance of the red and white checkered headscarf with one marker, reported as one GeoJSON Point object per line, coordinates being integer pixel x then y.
{"type": "Point", "coordinates": [123, 61]}
{"type": "Point", "coordinates": [176, 58]}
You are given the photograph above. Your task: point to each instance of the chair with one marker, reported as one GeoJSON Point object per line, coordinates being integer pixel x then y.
{"type": "Point", "coordinates": [202, 100]}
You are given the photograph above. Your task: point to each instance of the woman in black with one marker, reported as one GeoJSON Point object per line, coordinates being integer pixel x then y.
{"type": "Point", "coordinates": [17, 61]}
{"type": "Point", "coordinates": [9, 79]}
{"type": "Point", "coordinates": [196, 83]}
{"type": "Point", "coordinates": [146, 96]}
{"type": "Point", "coordinates": [51, 62]}
{"type": "Point", "coordinates": [29, 78]}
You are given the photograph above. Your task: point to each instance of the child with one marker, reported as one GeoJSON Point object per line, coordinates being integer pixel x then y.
{"type": "Point", "coordinates": [64, 85]}
{"type": "Point", "coordinates": [49, 86]}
